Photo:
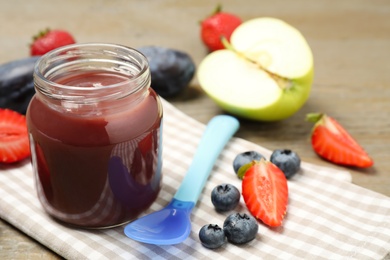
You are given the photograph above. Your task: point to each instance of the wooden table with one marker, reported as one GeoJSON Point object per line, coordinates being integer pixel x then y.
{"type": "Point", "coordinates": [350, 41]}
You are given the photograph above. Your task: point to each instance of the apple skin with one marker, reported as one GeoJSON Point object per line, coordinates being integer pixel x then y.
{"type": "Point", "coordinates": [283, 105]}
{"type": "Point", "coordinates": [284, 108]}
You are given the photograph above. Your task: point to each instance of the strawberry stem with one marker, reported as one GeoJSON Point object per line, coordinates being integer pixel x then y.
{"type": "Point", "coordinates": [283, 82]}
{"type": "Point", "coordinates": [314, 117]}
{"type": "Point", "coordinates": [217, 10]}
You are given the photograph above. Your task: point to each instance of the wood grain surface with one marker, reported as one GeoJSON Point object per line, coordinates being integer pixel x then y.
{"type": "Point", "coordinates": [350, 41]}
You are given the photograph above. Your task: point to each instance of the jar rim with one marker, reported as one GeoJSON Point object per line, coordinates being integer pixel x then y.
{"type": "Point", "coordinates": [127, 55]}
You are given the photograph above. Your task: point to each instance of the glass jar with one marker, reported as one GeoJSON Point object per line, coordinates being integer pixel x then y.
{"type": "Point", "coordinates": [95, 132]}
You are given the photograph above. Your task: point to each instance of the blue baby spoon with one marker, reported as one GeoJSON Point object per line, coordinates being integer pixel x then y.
{"type": "Point", "coordinates": [172, 224]}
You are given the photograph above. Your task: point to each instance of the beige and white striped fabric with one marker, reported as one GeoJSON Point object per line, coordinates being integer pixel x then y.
{"type": "Point", "coordinates": [328, 217]}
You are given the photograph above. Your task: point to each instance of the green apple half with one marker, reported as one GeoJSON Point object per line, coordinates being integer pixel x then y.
{"type": "Point", "coordinates": [265, 74]}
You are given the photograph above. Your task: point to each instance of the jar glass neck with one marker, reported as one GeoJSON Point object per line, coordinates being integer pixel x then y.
{"type": "Point", "coordinates": [91, 73]}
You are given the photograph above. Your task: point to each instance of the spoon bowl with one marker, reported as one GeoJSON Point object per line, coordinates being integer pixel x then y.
{"type": "Point", "coordinates": [164, 227]}
{"type": "Point", "coordinates": [172, 224]}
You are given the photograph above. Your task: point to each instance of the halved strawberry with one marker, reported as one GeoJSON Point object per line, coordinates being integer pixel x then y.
{"type": "Point", "coordinates": [265, 192]}
{"type": "Point", "coordinates": [14, 143]}
{"type": "Point", "coordinates": [333, 143]}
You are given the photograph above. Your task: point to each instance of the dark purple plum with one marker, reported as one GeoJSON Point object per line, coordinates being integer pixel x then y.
{"type": "Point", "coordinates": [16, 84]}
{"type": "Point", "coordinates": [171, 70]}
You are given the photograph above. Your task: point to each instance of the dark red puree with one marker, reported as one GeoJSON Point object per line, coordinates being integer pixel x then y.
{"type": "Point", "coordinates": [102, 168]}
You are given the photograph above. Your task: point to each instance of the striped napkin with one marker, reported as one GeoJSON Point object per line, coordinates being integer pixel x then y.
{"type": "Point", "coordinates": [327, 218]}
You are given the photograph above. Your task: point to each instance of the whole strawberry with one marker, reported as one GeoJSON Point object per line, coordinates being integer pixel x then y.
{"type": "Point", "coordinates": [49, 40]}
{"type": "Point", "coordinates": [219, 24]}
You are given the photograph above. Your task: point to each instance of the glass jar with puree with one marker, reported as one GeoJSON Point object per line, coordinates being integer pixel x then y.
{"type": "Point", "coordinates": [95, 133]}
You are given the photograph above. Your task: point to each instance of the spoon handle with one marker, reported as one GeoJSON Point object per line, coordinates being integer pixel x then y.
{"type": "Point", "coordinates": [218, 132]}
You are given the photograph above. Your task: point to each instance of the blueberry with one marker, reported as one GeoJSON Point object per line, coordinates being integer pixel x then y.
{"type": "Point", "coordinates": [17, 84]}
{"type": "Point", "coordinates": [225, 197]}
{"type": "Point", "coordinates": [240, 228]}
{"type": "Point", "coordinates": [212, 236]}
{"type": "Point", "coordinates": [245, 158]}
{"type": "Point", "coordinates": [287, 160]}
{"type": "Point", "coordinates": [171, 70]}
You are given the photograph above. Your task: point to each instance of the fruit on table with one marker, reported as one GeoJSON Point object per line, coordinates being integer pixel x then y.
{"type": "Point", "coordinates": [171, 70]}
{"type": "Point", "coordinates": [225, 197]}
{"type": "Point", "coordinates": [240, 228]}
{"type": "Point", "coordinates": [212, 236]}
{"type": "Point", "coordinates": [14, 143]}
{"type": "Point", "coordinates": [332, 142]}
{"type": "Point", "coordinates": [265, 74]}
{"type": "Point", "coordinates": [48, 40]}
{"type": "Point", "coordinates": [245, 158]}
{"type": "Point", "coordinates": [16, 84]}
{"type": "Point", "coordinates": [218, 24]}
{"type": "Point", "coordinates": [265, 192]}
{"type": "Point", "coordinates": [287, 160]}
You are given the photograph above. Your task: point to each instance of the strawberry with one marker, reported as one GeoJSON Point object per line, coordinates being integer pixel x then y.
{"type": "Point", "coordinates": [216, 26]}
{"type": "Point", "coordinates": [14, 143]}
{"type": "Point", "coordinates": [265, 192]}
{"type": "Point", "coordinates": [333, 143]}
{"type": "Point", "coordinates": [49, 40]}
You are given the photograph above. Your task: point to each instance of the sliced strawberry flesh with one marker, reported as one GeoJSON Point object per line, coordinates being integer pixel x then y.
{"type": "Point", "coordinates": [265, 192]}
{"type": "Point", "coordinates": [331, 141]}
{"type": "Point", "coordinates": [14, 143]}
